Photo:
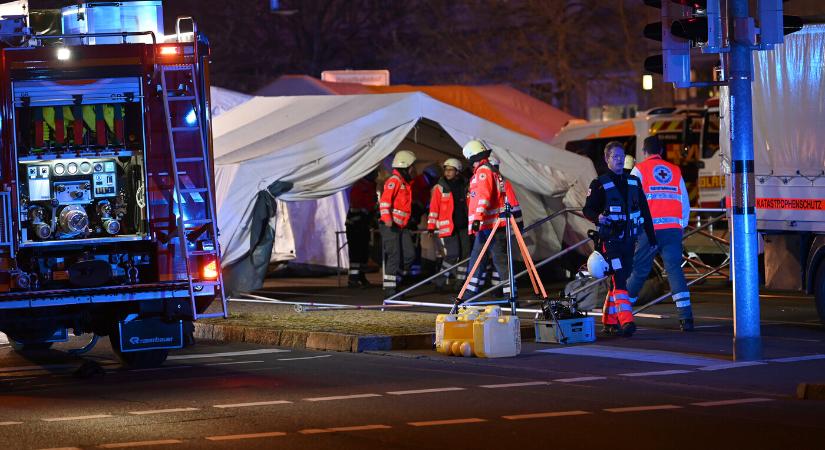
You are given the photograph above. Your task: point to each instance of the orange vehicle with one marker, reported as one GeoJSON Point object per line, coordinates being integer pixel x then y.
{"type": "Point", "coordinates": [107, 210]}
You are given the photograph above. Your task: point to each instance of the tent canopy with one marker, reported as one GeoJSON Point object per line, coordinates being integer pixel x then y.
{"type": "Point", "coordinates": [323, 144]}
{"type": "Point", "coordinates": [498, 103]}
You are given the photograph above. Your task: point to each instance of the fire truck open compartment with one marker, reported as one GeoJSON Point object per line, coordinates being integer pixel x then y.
{"type": "Point", "coordinates": [80, 155]}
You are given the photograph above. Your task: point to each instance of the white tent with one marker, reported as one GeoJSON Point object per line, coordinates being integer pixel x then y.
{"type": "Point", "coordinates": [323, 144]}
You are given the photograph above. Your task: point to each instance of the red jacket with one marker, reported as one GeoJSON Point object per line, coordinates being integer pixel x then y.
{"type": "Point", "coordinates": [486, 196]}
{"type": "Point", "coordinates": [664, 188]}
{"type": "Point", "coordinates": [515, 208]}
{"type": "Point", "coordinates": [441, 212]}
{"type": "Point", "coordinates": [396, 200]}
{"type": "Point", "coordinates": [362, 196]}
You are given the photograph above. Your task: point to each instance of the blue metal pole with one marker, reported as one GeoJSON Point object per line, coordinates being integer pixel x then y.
{"type": "Point", "coordinates": [746, 332]}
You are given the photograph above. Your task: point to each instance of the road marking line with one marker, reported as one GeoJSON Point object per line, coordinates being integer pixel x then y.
{"type": "Point", "coordinates": [61, 419]}
{"type": "Point", "coordinates": [508, 385]}
{"type": "Point", "coordinates": [340, 397]}
{"type": "Point", "coordinates": [798, 358]}
{"type": "Point", "coordinates": [733, 365]}
{"type": "Point", "coordinates": [45, 367]}
{"type": "Point", "coordinates": [426, 391]}
{"type": "Point", "coordinates": [360, 428]}
{"type": "Point", "coordinates": [654, 356]}
{"type": "Point", "coordinates": [314, 431]}
{"type": "Point", "coordinates": [654, 374]}
{"type": "Point", "coordinates": [432, 423]}
{"type": "Point", "coordinates": [62, 448]}
{"type": "Point", "coordinates": [243, 405]}
{"type": "Point", "coordinates": [305, 357]}
{"type": "Point", "coordinates": [162, 411]}
{"type": "Point", "coordinates": [141, 443]}
{"type": "Point", "coordinates": [5, 424]}
{"type": "Point", "coordinates": [152, 369]}
{"type": "Point", "coordinates": [576, 380]}
{"type": "Point", "coordinates": [641, 408]}
{"type": "Point", "coordinates": [233, 437]}
{"type": "Point", "coordinates": [233, 362]}
{"type": "Point", "coordinates": [545, 414]}
{"type": "Point", "coordinates": [260, 351]}
{"type": "Point", "coordinates": [733, 402]}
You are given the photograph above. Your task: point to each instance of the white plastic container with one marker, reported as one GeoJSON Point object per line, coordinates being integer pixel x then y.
{"type": "Point", "coordinates": [496, 336]}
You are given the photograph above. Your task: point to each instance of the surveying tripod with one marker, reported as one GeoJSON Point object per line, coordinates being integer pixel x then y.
{"type": "Point", "coordinates": [511, 229]}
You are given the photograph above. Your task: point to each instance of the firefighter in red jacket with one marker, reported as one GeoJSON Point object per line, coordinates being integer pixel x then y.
{"type": "Point", "coordinates": [395, 207]}
{"type": "Point", "coordinates": [362, 202]}
{"type": "Point", "coordinates": [669, 203]}
{"type": "Point", "coordinates": [515, 209]}
{"type": "Point", "coordinates": [486, 201]}
{"type": "Point", "coordinates": [448, 218]}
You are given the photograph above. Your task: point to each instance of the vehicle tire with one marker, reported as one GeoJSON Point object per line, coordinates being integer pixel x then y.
{"type": "Point", "coordinates": [20, 347]}
{"type": "Point", "coordinates": [137, 360]}
{"type": "Point", "coordinates": [819, 291]}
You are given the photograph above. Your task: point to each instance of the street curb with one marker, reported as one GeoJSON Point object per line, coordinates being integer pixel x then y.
{"type": "Point", "coordinates": [811, 391]}
{"type": "Point", "coordinates": [316, 340]}
{"type": "Point", "coordinates": [321, 340]}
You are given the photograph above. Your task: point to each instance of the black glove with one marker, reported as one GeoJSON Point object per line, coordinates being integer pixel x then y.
{"type": "Point", "coordinates": [476, 225]}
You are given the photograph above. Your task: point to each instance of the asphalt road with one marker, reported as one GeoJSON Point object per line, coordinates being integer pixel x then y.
{"type": "Point", "coordinates": [659, 389]}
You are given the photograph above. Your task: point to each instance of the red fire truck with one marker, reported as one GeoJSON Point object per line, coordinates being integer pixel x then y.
{"type": "Point", "coordinates": [107, 211]}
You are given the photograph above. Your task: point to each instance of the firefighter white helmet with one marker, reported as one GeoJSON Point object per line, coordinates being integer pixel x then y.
{"type": "Point", "coordinates": [494, 161]}
{"type": "Point", "coordinates": [473, 148]}
{"type": "Point", "coordinates": [597, 265]}
{"type": "Point", "coordinates": [403, 159]}
{"type": "Point", "coordinates": [454, 163]}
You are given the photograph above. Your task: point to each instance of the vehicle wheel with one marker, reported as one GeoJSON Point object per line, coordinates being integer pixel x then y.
{"type": "Point", "coordinates": [819, 291]}
{"type": "Point", "coordinates": [29, 347]}
{"type": "Point", "coordinates": [137, 360]}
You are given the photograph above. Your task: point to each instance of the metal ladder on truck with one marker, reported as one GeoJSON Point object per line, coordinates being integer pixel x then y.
{"type": "Point", "coordinates": [190, 94]}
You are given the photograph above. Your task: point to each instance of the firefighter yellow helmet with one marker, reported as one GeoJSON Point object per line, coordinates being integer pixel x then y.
{"type": "Point", "coordinates": [454, 163]}
{"type": "Point", "coordinates": [473, 148]}
{"type": "Point", "coordinates": [403, 159]}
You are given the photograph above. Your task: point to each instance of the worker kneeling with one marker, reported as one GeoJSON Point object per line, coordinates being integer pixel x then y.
{"type": "Point", "coordinates": [485, 202]}
{"type": "Point", "coordinates": [617, 205]}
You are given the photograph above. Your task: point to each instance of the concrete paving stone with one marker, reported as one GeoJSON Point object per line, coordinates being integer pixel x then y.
{"type": "Point", "coordinates": [263, 336]}
{"type": "Point", "coordinates": [294, 339]}
{"type": "Point", "coordinates": [373, 343]}
{"type": "Point", "coordinates": [330, 341]}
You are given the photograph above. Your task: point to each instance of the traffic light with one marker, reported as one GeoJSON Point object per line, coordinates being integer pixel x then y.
{"type": "Point", "coordinates": [773, 25]}
{"type": "Point", "coordinates": [674, 62]}
{"type": "Point", "coordinates": [685, 24]}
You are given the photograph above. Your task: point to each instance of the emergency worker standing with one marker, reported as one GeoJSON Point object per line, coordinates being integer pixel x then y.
{"type": "Point", "coordinates": [669, 203]}
{"type": "Point", "coordinates": [485, 202]}
{"type": "Point", "coordinates": [515, 210]}
{"type": "Point", "coordinates": [395, 207]}
{"type": "Point", "coordinates": [362, 201]}
{"type": "Point", "coordinates": [616, 203]}
{"type": "Point", "coordinates": [448, 217]}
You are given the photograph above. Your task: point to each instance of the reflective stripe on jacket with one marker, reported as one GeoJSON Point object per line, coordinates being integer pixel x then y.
{"type": "Point", "coordinates": [485, 196]}
{"type": "Point", "coordinates": [627, 209]}
{"type": "Point", "coordinates": [665, 191]}
{"type": "Point", "coordinates": [441, 211]}
{"type": "Point", "coordinates": [396, 200]}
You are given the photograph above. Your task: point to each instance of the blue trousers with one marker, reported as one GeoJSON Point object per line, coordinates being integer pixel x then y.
{"type": "Point", "coordinates": [670, 249]}
{"type": "Point", "coordinates": [497, 249]}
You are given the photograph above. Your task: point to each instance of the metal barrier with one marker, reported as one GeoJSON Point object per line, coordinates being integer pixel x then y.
{"type": "Point", "coordinates": [464, 261]}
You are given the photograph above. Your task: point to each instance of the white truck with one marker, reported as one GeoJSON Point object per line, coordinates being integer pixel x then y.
{"type": "Point", "coordinates": [789, 160]}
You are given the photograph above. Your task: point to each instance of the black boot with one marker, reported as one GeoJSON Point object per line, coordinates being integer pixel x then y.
{"type": "Point", "coordinates": [610, 329]}
{"type": "Point", "coordinates": [686, 324]}
{"type": "Point", "coordinates": [628, 329]}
